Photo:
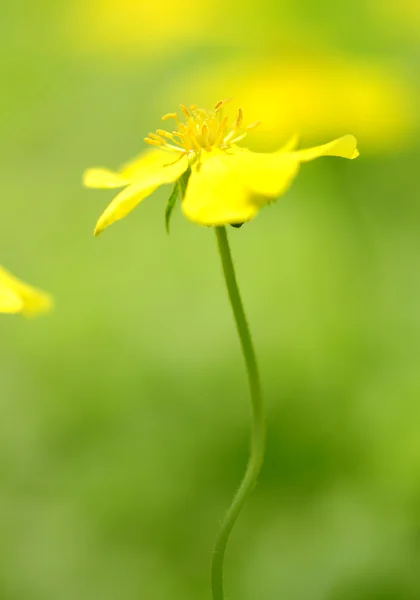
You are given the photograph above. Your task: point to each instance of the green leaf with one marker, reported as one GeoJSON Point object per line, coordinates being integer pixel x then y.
{"type": "Point", "coordinates": [183, 182]}
{"type": "Point", "coordinates": [170, 205]}
{"type": "Point", "coordinates": [178, 191]}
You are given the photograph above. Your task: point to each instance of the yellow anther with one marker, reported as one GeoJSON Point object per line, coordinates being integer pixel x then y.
{"type": "Point", "coordinates": [153, 136]}
{"type": "Point", "coordinates": [185, 110]}
{"type": "Point", "coordinates": [239, 118]}
{"type": "Point", "coordinates": [221, 103]}
{"type": "Point", "coordinates": [152, 142]}
{"type": "Point", "coordinates": [201, 131]}
{"type": "Point", "coordinates": [164, 133]}
{"type": "Point", "coordinates": [170, 116]}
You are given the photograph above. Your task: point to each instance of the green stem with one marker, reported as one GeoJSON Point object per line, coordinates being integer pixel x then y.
{"type": "Point", "coordinates": [258, 432]}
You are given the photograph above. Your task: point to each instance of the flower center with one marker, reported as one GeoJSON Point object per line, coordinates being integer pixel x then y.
{"type": "Point", "coordinates": [202, 130]}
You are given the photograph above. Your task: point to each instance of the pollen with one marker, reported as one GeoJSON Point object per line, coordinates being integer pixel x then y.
{"type": "Point", "coordinates": [201, 130]}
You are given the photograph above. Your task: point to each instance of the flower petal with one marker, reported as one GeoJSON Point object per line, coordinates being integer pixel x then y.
{"type": "Point", "coordinates": [144, 165]}
{"type": "Point", "coordinates": [216, 196]}
{"type": "Point", "coordinates": [9, 302]}
{"type": "Point", "coordinates": [228, 188]}
{"type": "Point", "coordinates": [147, 163]}
{"type": "Point", "coordinates": [265, 174]}
{"type": "Point", "coordinates": [16, 296]}
{"type": "Point", "coordinates": [103, 178]}
{"type": "Point", "coordinates": [346, 147]}
{"type": "Point", "coordinates": [128, 199]}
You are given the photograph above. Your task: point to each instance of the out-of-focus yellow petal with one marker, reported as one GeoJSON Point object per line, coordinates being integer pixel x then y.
{"type": "Point", "coordinates": [144, 165]}
{"type": "Point", "coordinates": [9, 301]}
{"type": "Point", "coordinates": [346, 147]}
{"type": "Point", "coordinates": [264, 174]}
{"type": "Point", "coordinates": [18, 297]}
{"type": "Point", "coordinates": [123, 204]}
{"type": "Point", "coordinates": [103, 178]}
{"type": "Point", "coordinates": [216, 196]}
{"type": "Point", "coordinates": [128, 199]}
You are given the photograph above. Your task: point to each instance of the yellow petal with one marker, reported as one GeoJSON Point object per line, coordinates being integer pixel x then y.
{"type": "Point", "coordinates": [103, 178]}
{"type": "Point", "coordinates": [266, 175]}
{"type": "Point", "coordinates": [17, 296]}
{"type": "Point", "coordinates": [346, 147]}
{"type": "Point", "coordinates": [128, 199]}
{"type": "Point", "coordinates": [9, 302]}
{"type": "Point", "coordinates": [215, 195]}
{"type": "Point", "coordinates": [231, 187]}
{"type": "Point", "coordinates": [142, 166]}
{"type": "Point", "coordinates": [147, 163]}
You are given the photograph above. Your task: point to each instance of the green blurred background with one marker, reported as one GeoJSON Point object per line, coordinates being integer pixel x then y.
{"type": "Point", "coordinates": [124, 415]}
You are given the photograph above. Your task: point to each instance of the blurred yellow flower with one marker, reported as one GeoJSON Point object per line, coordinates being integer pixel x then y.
{"type": "Point", "coordinates": [399, 17]}
{"type": "Point", "coordinates": [130, 27]}
{"type": "Point", "coordinates": [222, 183]}
{"type": "Point", "coordinates": [18, 297]}
{"type": "Point", "coordinates": [317, 94]}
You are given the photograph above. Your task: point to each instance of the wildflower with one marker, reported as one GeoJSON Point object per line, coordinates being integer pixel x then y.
{"type": "Point", "coordinates": [18, 297]}
{"type": "Point", "coordinates": [220, 182]}
{"type": "Point", "coordinates": [131, 29]}
{"type": "Point", "coordinates": [371, 99]}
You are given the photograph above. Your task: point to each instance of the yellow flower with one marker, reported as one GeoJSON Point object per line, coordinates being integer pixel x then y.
{"type": "Point", "coordinates": [129, 28]}
{"type": "Point", "coordinates": [221, 182]}
{"type": "Point", "coordinates": [18, 297]}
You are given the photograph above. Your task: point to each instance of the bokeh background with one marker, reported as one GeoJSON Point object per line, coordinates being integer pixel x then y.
{"type": "Point", "coordinates": [124, 415]}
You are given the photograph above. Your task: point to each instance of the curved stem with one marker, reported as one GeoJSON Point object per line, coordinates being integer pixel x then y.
{"type": "Point", "coordinates": [258, 432]}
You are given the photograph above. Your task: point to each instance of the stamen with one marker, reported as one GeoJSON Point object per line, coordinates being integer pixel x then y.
{"type": "Point", "coordinates": [152, 142]}
{"type": "Point", "coordinates": [167, 135]}
{"type": "Point", "coordinates": [238, 138]}
{"type": "Point", "coordinates": [200, 131]}
{"type": "Point", "coordinates": [193, 139]}
{"type": "Point", "coordinates": [220, 131]}
{"type": "Point", "coordinates": [239, 118]}
{"type": "Point", "coordinates": [170, 116]}
{"type": "Point", "coordinates": [221, 103]}
{"type": "Point", "coordinates": [253, 125]}
{"type": "Point", "coordinates": [177, 160]}
{"type": "Point", "coordinates": [222, 126]}
{"type": "Point", "coordinates": [172, 148]}
{"type": "Point", "coordinates": [185, 111]}
{"type": "Point", "coordinates": [205, 134]}
{"type": "Point", "coordinates": [153, 136]}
